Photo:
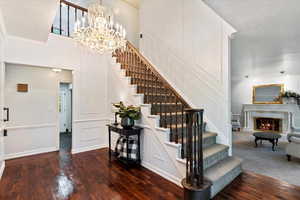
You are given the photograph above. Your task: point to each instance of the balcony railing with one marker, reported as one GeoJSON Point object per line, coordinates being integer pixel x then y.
{"type": "Point", "coordinates": [67, 14]}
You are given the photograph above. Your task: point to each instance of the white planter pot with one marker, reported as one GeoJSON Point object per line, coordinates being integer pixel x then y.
{"type": "Point", "coordinates": [289, 100]}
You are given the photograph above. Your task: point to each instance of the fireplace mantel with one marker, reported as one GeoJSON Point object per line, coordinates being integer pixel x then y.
{"type": "Point", "coordinates": [280, 111]}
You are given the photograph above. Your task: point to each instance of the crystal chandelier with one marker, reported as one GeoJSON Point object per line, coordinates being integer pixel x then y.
{"type": "Point", "coordinates": [98, 31]}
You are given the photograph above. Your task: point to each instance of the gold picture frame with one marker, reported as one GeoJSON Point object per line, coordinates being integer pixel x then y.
{"type": "Point", "coordinates": [279, 101]}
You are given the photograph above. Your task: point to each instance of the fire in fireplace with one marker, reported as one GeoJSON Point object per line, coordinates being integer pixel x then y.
{"type": "Point", "coordinates": [267, 124]}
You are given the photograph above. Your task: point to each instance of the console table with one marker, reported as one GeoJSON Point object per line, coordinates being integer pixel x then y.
{"type": "Point", "coordinates": [125, 132]}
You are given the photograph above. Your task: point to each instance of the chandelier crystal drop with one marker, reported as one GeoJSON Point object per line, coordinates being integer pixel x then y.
{"type": "Point", "coordinates": [98, 31]}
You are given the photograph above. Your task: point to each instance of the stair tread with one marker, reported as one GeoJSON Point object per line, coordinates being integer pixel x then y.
{"type": "Point", "coordinates": [206, 134]}
{"type": "Point", "coordinates": [209, 151]}
{"type": "Point", "coordinates": [149, 85]}
{"type": "Point", "coordinates": [220, 169]}
{"type": "Point", "coordinates": [170, 113]}
{"type": "Point", "coordinates": [213, 149]}
{"type": "Point", "coordinates": [166, 103]}
{"type": "Point", "coordinates": [156, 94]}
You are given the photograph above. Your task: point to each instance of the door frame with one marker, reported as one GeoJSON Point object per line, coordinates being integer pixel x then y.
{"type": "Point", "coordinates": [58, 114]}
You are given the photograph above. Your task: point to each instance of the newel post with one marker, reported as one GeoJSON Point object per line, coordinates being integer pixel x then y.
{"type": "Point", "coordinates": [195, 187]}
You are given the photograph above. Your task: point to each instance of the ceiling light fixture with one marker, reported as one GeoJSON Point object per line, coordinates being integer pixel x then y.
{"type": "Point", "coordinates": [98, 31]}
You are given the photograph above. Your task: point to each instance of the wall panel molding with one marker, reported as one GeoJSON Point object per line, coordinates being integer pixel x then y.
{"type": "Point", "coordinates": [31, 126]}
{"type": "Point", "coordinates": [29, 153]}
{"type": "Point", "coordinates": [88, 148]}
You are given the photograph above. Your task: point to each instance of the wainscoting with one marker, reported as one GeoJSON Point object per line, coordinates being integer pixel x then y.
{"type": "Point", "coordinates": [30, 139]}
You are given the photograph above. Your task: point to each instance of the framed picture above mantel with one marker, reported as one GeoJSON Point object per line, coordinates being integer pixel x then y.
{"type": "Point", "coordinates": [267, 94]}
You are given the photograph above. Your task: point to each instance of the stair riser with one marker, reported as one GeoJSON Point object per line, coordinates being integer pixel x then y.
{"type": "Point", "coordinates": [157, 108]}
{"type": "Point", "coordinates": [135, 80]}
{"type": "Point", "coordinates": [152, 90]}
{"type": "Point", "coordinates": [207, 142]}
{"type": "Point", "coordinates": [211, 160]}
{"type": "Point", "coordinates": [225, 180]}
{"type": "Point", "coordinates": [140, 74]}
{"type": "Point", "coordinates": [172, 119]}
{"type": "Point", "coordinates": [151, 99]}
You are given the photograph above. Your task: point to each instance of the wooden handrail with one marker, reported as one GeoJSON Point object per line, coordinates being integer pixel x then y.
{"type": "Point", "coordinates": [150, 66]}
{"type": "Point", "coordinates": [73, 5]}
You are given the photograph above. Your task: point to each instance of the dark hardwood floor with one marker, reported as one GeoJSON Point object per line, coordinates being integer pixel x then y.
{"type": "Point", "coordinates": [89, 176]}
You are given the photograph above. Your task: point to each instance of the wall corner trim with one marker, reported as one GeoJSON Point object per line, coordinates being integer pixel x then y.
{"type": "Point", "coordinates": [2, 169]}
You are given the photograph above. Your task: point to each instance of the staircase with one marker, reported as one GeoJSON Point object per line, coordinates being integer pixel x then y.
{"type": "Point", "coordinates": [166, 103]}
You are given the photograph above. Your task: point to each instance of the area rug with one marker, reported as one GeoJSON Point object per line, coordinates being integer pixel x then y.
{"type": "Point", "coordinates": [263, 160]}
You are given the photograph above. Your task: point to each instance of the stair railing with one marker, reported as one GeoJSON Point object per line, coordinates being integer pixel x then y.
{"type": "Point", "coordinates": [194, 153]}
{"type": "Point", "coordinates": [157, 91]}
{"type": "Point", "coordinates": [67, 17]}
{"type": "Point", "coordinates": [195, 187]}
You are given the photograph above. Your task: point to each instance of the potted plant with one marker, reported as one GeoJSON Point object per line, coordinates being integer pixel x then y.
{"type": "Point", "coordinates": [290, 97]}
{"type": "Point", "coordinates": [127, 114]}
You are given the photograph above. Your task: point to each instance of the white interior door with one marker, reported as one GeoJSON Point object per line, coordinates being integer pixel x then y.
{"type": "Point", "coordinates": [65, 108]}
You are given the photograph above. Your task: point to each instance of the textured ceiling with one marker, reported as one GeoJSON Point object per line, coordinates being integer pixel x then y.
{"type": "Point", "coordinates": [29, 20]}
{"type": "Point", "coordinates": [268, 35]}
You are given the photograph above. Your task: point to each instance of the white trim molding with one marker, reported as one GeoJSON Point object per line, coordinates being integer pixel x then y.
{"type": "Point", "coordinates": [31, 126]}
{"type": "Point", "coordinates": [162, 173]}
{"type": "Point", "coordinates": [91, 120]}
{"type": "Point", "coordinates": [2, 169]}
{"type": "Point", "coordinates": [89, 148]}
{"type": "Point", "coordinates": [29, 153]}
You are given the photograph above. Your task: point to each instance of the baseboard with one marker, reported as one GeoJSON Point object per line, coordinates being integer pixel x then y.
{"type": "Point", "coordinates": [89, 148]}
{"type": "Point", "coordinates": [2, 169]}
{"type": "Point", "coordinates": [30, 153]}
{"type": "Point", "coordinates": [162, 173]}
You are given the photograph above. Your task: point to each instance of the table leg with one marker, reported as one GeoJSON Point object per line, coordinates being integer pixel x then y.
{"type": "Point", "coordinates": [127, 148]}
{"type": "Point", "coordinates": [256, 139]}
{"type": "Point", "coordinates": [276, 142]}
{"type": "Point", "coordinates": [139, 149]}
{"type": "Point", "coordinates": [273, 144]}
{"type": "Point", "coordinates": [109, 144]}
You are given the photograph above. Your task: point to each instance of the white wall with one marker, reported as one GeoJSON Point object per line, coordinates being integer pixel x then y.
{"type": "Point", "coordinates": [89, 82]}
{"type": "Point", "coordinates": [189, 44]}
{"type": "Point", "coordinates": [2, 73]}
{"type": "Point", "coordinates": [128, 16]}
{"type": "Point", "coordinates": [242, 87]}
{"type": "Point", "coordinates": [34, 115]}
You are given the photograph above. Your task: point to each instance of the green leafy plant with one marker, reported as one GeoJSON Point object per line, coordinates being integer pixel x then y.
{"type": "Point", "coordinates": [290, 94]}
{"type": "Point", "coordinates": [131, 112]}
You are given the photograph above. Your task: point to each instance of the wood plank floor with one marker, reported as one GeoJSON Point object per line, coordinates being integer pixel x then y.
{"type": "Point", "coordinates": [89, 176]}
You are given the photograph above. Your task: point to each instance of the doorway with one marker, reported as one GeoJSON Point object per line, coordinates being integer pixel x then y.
{"type": "Point", "coordinates": [65, 116]}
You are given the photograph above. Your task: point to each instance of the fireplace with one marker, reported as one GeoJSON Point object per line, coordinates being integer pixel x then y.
{"type": "Point", "coordinates": [267, 124]}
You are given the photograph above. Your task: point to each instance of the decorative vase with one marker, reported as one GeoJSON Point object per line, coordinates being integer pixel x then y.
{"type": "Point", "coordinates": [293, 100]}
{"type": "Point", "coordinates": [127, 123]}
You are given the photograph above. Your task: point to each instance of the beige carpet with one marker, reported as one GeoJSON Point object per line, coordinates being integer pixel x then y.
{"type": "Point", "coordinates": [263, 160]}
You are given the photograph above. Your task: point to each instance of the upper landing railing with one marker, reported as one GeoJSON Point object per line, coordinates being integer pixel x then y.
{"type": "Point", "coordinates": [67, 14]}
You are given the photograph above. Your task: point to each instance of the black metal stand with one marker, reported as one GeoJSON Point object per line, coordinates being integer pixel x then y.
{"type": "Point", "coordinates": [196, 193]}
{"type": "Point", "coordinates": [135, 131]}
